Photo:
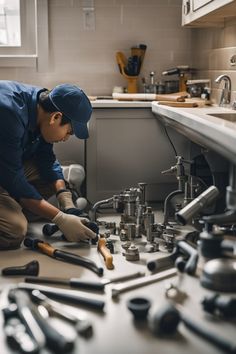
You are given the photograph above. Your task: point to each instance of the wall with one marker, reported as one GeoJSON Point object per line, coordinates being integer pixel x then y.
{"type": "Point", "coordinates": [212, 49]}
{"type": "Point", "coordinates": [87, 57]}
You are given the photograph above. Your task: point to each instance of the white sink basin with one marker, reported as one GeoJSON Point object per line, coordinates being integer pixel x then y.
{"type": "Point", "coordinates": [231, 117]}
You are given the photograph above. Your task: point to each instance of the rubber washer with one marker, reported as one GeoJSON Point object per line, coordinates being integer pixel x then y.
{"type": "Point", "coordinates": [139, 306]}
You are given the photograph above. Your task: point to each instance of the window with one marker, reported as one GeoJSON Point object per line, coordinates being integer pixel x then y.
{"type": "Point", "coordinates": [10, 33]}
{"type": "Point", "coordinates": [24, 33]}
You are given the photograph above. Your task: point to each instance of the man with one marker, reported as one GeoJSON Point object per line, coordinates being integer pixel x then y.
{"type": "Point", "coordinates": [31, 120]}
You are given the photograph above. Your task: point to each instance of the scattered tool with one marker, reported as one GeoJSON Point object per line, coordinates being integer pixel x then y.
{"type": "Point", "coordinates": [38, 326]}
{"type": "Point", "coordinates": [184, 257]}
{"type": "Point", "coordinates": [31, 268]}
{"type": "Point", "coordinates": [46, 248]}
{"type": "Point", "coordinates": [27, 316]}
{"type": "Point", "coordinates": [137, 283]}
{"type": "Point", "coordinates": [139, 306]}
{"type": "Point", "coordinates": [132, 253]}
{"type": "Point", "coordinates": [18, 338]}
{"type": "Point", "coordinates": [82, 325]}
{"type": "Point", "coordinates": [224, 306]}
{"type": "Point", "coordinates": [82, 284]}
{"type": "Point", "coordinates": [166, 321]}
{"type": "Point", "coordinates": [70, 296]}
{"type": "Point", "coordinates": [105, 252]}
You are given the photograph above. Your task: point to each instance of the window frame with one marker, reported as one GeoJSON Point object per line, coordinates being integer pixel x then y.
{"type": "Point", "coordinates": [33, 51]}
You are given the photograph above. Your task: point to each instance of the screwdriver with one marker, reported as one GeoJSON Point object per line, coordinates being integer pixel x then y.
{"type": "Point", "coordinates": [83, 284]}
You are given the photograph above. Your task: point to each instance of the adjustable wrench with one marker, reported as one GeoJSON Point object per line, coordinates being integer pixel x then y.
{"type": "Point", "coordinates": [137, 283]}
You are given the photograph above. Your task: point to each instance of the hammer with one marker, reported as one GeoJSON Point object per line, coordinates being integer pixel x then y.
{"type": "Point", "coordinates": [46, 248]}
{"type": "Point", "coordinates": [105, 252]}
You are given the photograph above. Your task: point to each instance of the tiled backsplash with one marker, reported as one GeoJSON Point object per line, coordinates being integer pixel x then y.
{"type": "Point", "coordinates": [87, 57]}
{"type": "Point", "coordinates": [212, 50]}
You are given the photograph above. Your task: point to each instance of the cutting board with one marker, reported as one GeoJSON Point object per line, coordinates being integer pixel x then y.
{"type": "Point", "coordinates": [179, 104]}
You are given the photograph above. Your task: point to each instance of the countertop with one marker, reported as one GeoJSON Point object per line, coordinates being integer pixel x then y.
{"type": "Point", "coordinates": [111, 103]}
{"type": "Point", "coordinates": [196, 123]}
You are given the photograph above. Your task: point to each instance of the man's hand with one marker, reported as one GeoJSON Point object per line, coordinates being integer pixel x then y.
{"type": "Point", "coordinates": [73, 227]}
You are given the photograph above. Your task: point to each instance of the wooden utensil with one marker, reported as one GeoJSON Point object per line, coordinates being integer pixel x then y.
{"type": "Point", "coordinates": [178, 104]}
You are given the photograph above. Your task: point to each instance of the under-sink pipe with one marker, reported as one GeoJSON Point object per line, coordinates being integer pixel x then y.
{"type": "Point", "coordinates": [96, 206]}
{"type": "Point", "coordinates": [167, 204]}
{"type": "Point", "coordinates": [229, 217]}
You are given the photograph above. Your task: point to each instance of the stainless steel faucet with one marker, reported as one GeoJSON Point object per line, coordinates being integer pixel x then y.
{"type": "Point", "coordinates": [226, 91]}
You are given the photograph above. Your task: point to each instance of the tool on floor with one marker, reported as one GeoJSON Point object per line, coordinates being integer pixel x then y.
{"type": "Point", "coordinates": [132, 253]}
{"type": "Point", "coordinates": [18, 338]}
{"type": "Point", "coordinates": [71, 296]}
{"type": "Point", "coordinates": [82, 284]}
{"type": "Point", "coordinates": [137, 218]}
{"type": "Point", "coordinates": [139, 307]}
{"type": "Point", "coordinates": [167, 319]}
{"type": "Point", "coordinates": [82, 325]}
{"type": "Point", "coordinates": [26, 314]}
{"type": "Point", "coordinates": [137, 283]}
{"type": "Point", "coordinates": [184, 257]}
{"type": "Point", "coordinates": [224, 306]}
{"type": "Point", "coordinates": [174, 293]}
{"type": "Point", "coordinates": [159, 264]}
{"type": "Point", "coordinates": [185, 215]}
{"type": "Point", "coordinates": [219, 275]}
{"type": "Point", "coordinates": [31, 268]}
{"type": "Point", "coordinates": [46, 248]}
{"type": "Point", "coordinates": [105, 252]}
{"type": "Point", "coordinates": [38, 325]}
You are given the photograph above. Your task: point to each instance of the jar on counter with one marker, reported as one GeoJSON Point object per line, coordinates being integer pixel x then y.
{"type": "Point", "coordinates": [161, 88]}
{"type": "Point", "coordinates": [171, 86]}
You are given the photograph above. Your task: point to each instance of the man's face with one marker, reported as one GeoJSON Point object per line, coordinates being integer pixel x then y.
{"type": "Point", "coordinates": [52, 131]}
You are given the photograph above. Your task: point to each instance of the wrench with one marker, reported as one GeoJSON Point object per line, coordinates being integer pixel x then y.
{"type": "Point", "coordinates": [137, 283]}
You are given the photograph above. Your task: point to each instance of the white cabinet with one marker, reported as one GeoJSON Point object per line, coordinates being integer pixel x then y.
{"type": "Point", "coordinates": [127, 146]}
{"type": "Point", "coordinates": [207, 13]}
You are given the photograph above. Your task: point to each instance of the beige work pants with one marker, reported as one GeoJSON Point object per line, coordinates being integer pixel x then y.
{"type": "Point", "coordinates": [14, 220]}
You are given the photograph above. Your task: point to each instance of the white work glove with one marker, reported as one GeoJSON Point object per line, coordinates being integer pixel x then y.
{"type": "Point", "coordinates": [72, 227]}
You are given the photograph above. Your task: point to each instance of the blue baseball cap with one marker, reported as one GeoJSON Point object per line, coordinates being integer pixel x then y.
{"type": "Point", "coordinates": [75, 105]}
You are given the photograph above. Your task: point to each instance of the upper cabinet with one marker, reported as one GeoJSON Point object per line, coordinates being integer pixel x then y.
{"type": "Point", "coordinates": [207, 13]}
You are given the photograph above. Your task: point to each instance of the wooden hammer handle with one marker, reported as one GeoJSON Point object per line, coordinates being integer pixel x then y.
{"type": "Point", "coordinates": [46, 248]}
{"type": "Point", "coordinates": [105, 252]}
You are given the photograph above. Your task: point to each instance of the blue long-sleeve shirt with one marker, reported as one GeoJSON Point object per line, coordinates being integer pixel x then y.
{"type": "Point", "coordinates": [20, 140]}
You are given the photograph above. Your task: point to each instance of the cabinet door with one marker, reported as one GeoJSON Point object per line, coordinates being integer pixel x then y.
{"type": "Point", "coordinates": [197, 4]}
{"type": "Point", "coordinates": [127, 146]}
{"type": "Point", "coordinates": [206, 13]}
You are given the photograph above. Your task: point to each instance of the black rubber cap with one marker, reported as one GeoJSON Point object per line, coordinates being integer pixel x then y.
{"type": "Point", "coordinates": [165, 320]}
{"type": "Point", "coordinates": [139, 306]}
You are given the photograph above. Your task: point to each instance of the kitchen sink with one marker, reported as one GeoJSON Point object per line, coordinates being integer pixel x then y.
{"type": "Point", "coordinates": [231, 117]}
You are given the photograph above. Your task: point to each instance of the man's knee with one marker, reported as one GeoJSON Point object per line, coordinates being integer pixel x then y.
{"type": "Point", "coordinates": [19, 225]}
{"type": "Point", "coordinates": [12, 235]}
